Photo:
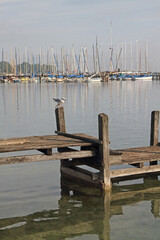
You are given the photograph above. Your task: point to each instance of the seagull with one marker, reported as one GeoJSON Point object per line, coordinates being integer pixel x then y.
{"type": "Point", "coordinates": [59, 101]}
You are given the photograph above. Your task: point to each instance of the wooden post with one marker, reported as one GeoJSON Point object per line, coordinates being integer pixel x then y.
{"type": "Point", "coordinates": [104, 150]}
{"type": "Point", "coordinates": [61, 126]}
{"type": "Point", "coordinates": [154, 128]}
{"type": "Point", "coordinates": [154, 131]}
{"type": "Point", "coordinates": [60, 119]}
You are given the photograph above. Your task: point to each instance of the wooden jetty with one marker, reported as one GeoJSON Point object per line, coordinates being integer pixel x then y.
{"type": "Point", "coordinates": [76, 151]}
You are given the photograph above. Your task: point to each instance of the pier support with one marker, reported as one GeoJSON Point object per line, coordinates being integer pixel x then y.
{"type": "Point", "coordinates": [104, 150]}
{"type": "Point", "coordinates": [60, 119]}
{"type": "Point", "coordinates": [154, 128]}
{"type": "Point", "coordinates": [154, 131]}
{"type": "Point", "coordinates": [61, 126]}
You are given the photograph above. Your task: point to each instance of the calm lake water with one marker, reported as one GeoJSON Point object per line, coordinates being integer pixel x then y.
{"type": "Point", "coordinates": [36, 203]}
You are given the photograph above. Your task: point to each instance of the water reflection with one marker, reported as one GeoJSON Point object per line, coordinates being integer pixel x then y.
{"type": "Point", "coordinates": [122, 95]}
{"type": "Point", "coordinates": [88, 213]}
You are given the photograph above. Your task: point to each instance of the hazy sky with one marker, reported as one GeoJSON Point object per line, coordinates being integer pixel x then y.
{"type": "Point", "coordinates": [61, 23]}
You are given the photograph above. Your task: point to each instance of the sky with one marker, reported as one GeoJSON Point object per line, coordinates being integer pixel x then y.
{"type": "Point", "coordinates": [44, 24]}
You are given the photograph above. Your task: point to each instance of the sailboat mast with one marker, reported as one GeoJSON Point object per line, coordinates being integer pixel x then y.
{"type": "Point", "coordinates": [19, 56]}
{"type": "Point", "coordinates": [131, 55]}
{"type": "Point", "coordinates": [125, 54]}
{"type": "Point", "coordinates": [7, 62]}
{"type": "Point", "coordinates": [111, 49]}
{"type": "Point", "coordinates": [11, 61]}
{"type": "Point", "coordinates": [140, 59]}
{"type": "Point", "coordinates": [93, 59]}
{"type": "Point", "coordinates": [146, 57]}
{"type": "Point", "coordinates": [15, 61]}
{"type": "Point", "coordinates": [40, 62]}
{"type": "Point", "coordinates": [2, 61]}
{"type": "Point", "coordinates": [137, 54]}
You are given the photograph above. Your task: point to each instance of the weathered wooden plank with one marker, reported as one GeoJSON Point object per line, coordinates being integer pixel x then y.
{"type": "Point", "coordinates": [13, 141]}
{"type": "Point", "coordinates": [41, 142]}
{"type": "Point", "coordinates": [74, 136]}
{"type": "Point", "coordinates": [80, 176]}
{"type": "Point", "coordinates": [140, 160]}
{"type": "Point", "coordinates": [134, 171]}
{"type": "Point", "coordinates": [150, 149]}
{"type": "Point", "coordinates": [41, 157]}
{"type": "Point", "coordinates": [115, 159]}
{"type": "Point", "coordinates": [140, 155]}
{"type": "Point", "coordinates": [94, 176]}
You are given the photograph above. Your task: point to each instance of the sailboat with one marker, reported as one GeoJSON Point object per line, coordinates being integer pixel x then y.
{"type": "Point", "coordinates": [95, 78]}
{"type": "Point", "coordinates": [142, 77]}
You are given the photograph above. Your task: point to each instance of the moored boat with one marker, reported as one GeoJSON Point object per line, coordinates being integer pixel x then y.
{"type": "Point", "coordinates": [15, 79]}
{"type": "Point", "coordinates": [142, 77]}
{"type": "Point", "coordinates": [127, 77]}
{"type": "Point", "coordinates": [95, 78]}
{"type": "Point", "coordinates": [24, 79]}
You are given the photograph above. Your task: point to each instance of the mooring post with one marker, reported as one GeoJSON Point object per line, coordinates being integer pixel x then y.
{"type": "Point", "coordinates": [61, 126]}
{"type": "Point", "coordinates": [154, 128]}
{"type": "Point", "coordinates": [154, 131]}
{"type": "Point", "coordinates": [60, 119]}
{"type": "Point", "coordinates": [104, 150]}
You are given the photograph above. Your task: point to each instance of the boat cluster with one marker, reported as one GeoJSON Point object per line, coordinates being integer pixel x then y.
{"type": "Point", "coordinates": [131, 76]}
{"type": "Point", "coordinates": [52, 78]}
{"type": "Point", "coordinates": [98, 77]}
{"type": "Point", "coordinates": [40, 79]}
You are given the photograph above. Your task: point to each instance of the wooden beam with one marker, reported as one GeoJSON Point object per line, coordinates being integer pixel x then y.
{"type": "Point", "coordinates": [94, 176]}
{"type": "Point", "coordinates": [41, 157]}
{"type": "Point", "coordinates": [134, 171]}
{"type": "Point", "coordinates": [86, 139]}
{"type": "Point", "coordinates": [80, 176]}
{"type": "Point", "coordinates": [104, 150]}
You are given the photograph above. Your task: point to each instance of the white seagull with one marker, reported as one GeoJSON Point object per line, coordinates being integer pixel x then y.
{"type": "Point", "coordinates": [59, 101]}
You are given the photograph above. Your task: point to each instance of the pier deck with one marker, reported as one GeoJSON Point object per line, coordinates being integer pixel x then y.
{"type": "Point", "coordinates": [135, 157]}
{"type": "Point", "coordinates": [45, 145]}
{"type": "Point", "coordinates": [78, 150]}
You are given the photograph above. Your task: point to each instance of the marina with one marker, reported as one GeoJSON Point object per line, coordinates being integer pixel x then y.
{"type": "Point", "coordinates": [38, 200]}
{"type": "Point", "coordinates": [95, 77]}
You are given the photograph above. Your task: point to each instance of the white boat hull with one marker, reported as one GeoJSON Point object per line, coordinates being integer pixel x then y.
{"type": "Point", "coordinates": [142, 78]}
{"type": "Point", "coordinates": [94, 79]}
